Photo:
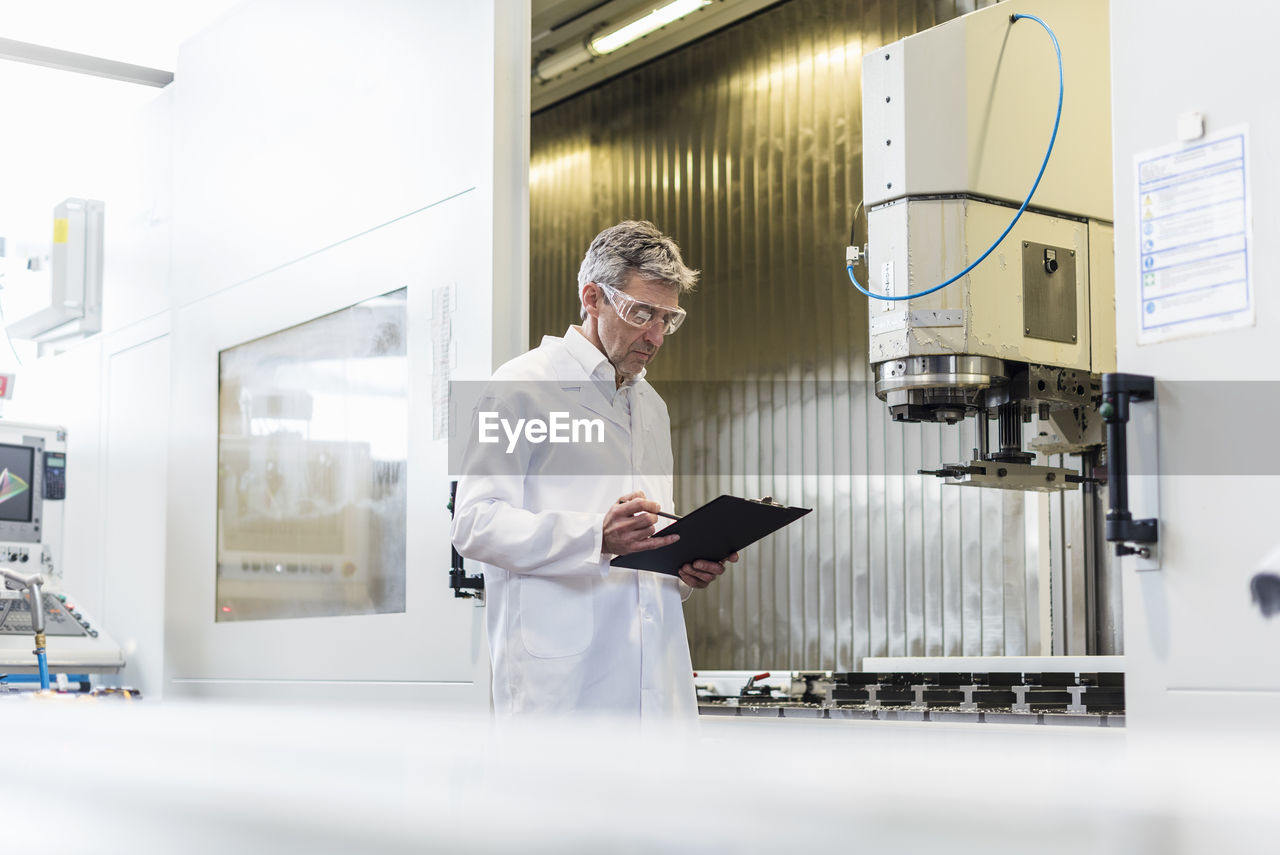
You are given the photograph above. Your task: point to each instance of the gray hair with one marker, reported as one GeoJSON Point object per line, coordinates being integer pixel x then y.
{"type": "Point", "coordinates": [634, 246]}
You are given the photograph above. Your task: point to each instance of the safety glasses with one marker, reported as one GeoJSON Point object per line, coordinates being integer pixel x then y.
{"type": "Point", "coordinates": [640, 314]}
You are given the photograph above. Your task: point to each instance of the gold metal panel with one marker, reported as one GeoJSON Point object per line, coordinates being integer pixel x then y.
{"type": "Point", "coordinates": [746, 147]}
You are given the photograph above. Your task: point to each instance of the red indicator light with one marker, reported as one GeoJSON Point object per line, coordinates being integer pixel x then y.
{"type": "Point", "coordinates": [226, 609]}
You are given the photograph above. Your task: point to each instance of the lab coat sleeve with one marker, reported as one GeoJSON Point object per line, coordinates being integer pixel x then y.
{"type": "Point", "coordinates": [492, 525]}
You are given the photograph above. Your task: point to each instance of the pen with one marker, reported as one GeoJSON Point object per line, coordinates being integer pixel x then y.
{"type": "Point", "coordinates": [661, 513]}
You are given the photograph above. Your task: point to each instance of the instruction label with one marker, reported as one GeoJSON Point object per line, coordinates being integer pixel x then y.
{"type": "Point", "coordinates": [1195, 240]}
{"type": "Point", "coordinates": [444, 357]}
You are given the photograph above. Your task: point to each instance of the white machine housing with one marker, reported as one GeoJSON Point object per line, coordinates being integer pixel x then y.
{"type": "Point", "coordinates": [74, 309]}
{"type": "Point", "coordinates": [956, 121]}
{"type": "Point", "coordinates": [970, 104]}
{"type": "Point", "coordinates": [983, 314]}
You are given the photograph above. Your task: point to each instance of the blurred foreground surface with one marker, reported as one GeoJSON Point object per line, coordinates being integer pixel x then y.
{"type": "Point", "coordinates": [119, 777]}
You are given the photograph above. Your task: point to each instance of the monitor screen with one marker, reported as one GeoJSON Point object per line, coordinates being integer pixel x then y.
{"type": "Point", "coordinates": [17, 471]}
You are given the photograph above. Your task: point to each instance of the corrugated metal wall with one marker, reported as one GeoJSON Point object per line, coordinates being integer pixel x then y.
{"type": "Point", "coordinates": [746, 147]}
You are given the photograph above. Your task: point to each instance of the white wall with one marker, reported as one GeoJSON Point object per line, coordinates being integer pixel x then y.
{"type": "Point", "coordinates": [325, 153]}
{"type": "Point", "coordinates": [307, 156]}
{"type": "Point", "coordinates": [1198, 650]}
{"type": "Point", "coordinates": [117, 455]}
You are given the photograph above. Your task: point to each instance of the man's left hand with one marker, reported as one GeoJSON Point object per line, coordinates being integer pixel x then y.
{"type": "Point", "coordinates": [702, 573]}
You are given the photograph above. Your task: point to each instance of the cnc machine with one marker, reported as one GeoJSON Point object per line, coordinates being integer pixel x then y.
{"type": "Point", "coordinates": [956, 122]}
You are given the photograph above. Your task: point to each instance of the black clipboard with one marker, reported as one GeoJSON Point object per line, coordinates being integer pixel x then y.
{"type": "Point", "coordinates": [719, 528]}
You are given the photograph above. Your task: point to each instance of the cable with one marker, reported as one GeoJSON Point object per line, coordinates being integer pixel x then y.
{"type": "Point", "coordinates": [1052, 139]}
{"type": "Point", "coordinates": [853, 226]}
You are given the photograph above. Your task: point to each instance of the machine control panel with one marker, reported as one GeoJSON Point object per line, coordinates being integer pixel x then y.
{"type": "Point", "coordinates": [61, 617]}
{"type": "Point", "coordinates": [55, 475]}
{"type": "Point", "coordinates": [75, 641]}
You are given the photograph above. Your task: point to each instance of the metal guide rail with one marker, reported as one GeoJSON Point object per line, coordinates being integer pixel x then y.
{"type": "Point", "coordinates": [1046, 697]}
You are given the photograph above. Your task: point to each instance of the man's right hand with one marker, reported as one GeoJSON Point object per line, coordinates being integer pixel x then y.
{"type": "Point", "coordinates": [629, 526]}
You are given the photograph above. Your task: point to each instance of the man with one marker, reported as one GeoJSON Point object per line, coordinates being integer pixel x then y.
{"type": "Point", "coordinates": [567, 632]}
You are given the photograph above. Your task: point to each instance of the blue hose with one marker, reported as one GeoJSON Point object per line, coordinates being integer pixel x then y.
{"type": "Point", "coordinates": [43, 662]}
{"type": "Point", "coordinates": [1052, 139]}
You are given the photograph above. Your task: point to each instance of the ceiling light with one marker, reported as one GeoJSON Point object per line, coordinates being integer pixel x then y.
{"type": "Point", "coordinates": [643, 24]}
{"type": "Point", "coordinates": [570, 56]}
{"type": "Point", "coordinates": [555, 64]}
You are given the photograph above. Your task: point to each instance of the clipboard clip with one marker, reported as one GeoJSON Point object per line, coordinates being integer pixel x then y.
{"type": "Point", "coordinates": [767, 500]}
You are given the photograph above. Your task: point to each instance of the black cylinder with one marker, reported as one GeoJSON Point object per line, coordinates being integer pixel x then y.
{"type": "Point", "coordinates": [1010, 426]}
{"type": "Point", "coordinates": [1117, 391]}
{"type": "Point", "coordinates": [1117, 460]}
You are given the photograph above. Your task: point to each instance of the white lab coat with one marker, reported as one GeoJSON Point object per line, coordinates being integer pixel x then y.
{"type": "Point", "coordinates": [567, 632]}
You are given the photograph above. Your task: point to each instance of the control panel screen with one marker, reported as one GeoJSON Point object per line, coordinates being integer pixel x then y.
{"type": "Point", "coordinates": [17, 469]}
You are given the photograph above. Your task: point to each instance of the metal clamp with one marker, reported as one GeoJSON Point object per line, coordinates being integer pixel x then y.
{"type": "Point", "coordinates": [1118, 390]}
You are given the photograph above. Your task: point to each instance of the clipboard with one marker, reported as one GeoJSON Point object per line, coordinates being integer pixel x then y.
{"type": "Point", "coordinates": [721, 527]}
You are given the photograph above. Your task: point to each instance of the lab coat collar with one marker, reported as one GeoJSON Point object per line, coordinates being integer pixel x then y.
{"type": "Point", "coordinates": [595, 363]}
{"type": "Point", "coordinates": [581, 361]}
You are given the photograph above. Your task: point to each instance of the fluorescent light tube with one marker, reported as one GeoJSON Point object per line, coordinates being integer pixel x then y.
{"type": "Point", "coordinates": [561, 61]}
{"type": "Point", "coordinates": [645, 24]}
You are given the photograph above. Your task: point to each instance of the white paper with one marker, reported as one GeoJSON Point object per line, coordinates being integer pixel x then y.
{"type": "Point", "coordinates": [444, 357]}
{"type": "Point", "coordinates": [1194, 238]}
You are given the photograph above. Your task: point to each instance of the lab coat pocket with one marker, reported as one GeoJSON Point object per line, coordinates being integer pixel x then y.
{"type": "Point", "coordinates": [557, 615]}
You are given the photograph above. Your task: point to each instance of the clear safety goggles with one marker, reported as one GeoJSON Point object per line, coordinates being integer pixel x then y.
{"type": "Point", "coordinates": [640, 314]}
